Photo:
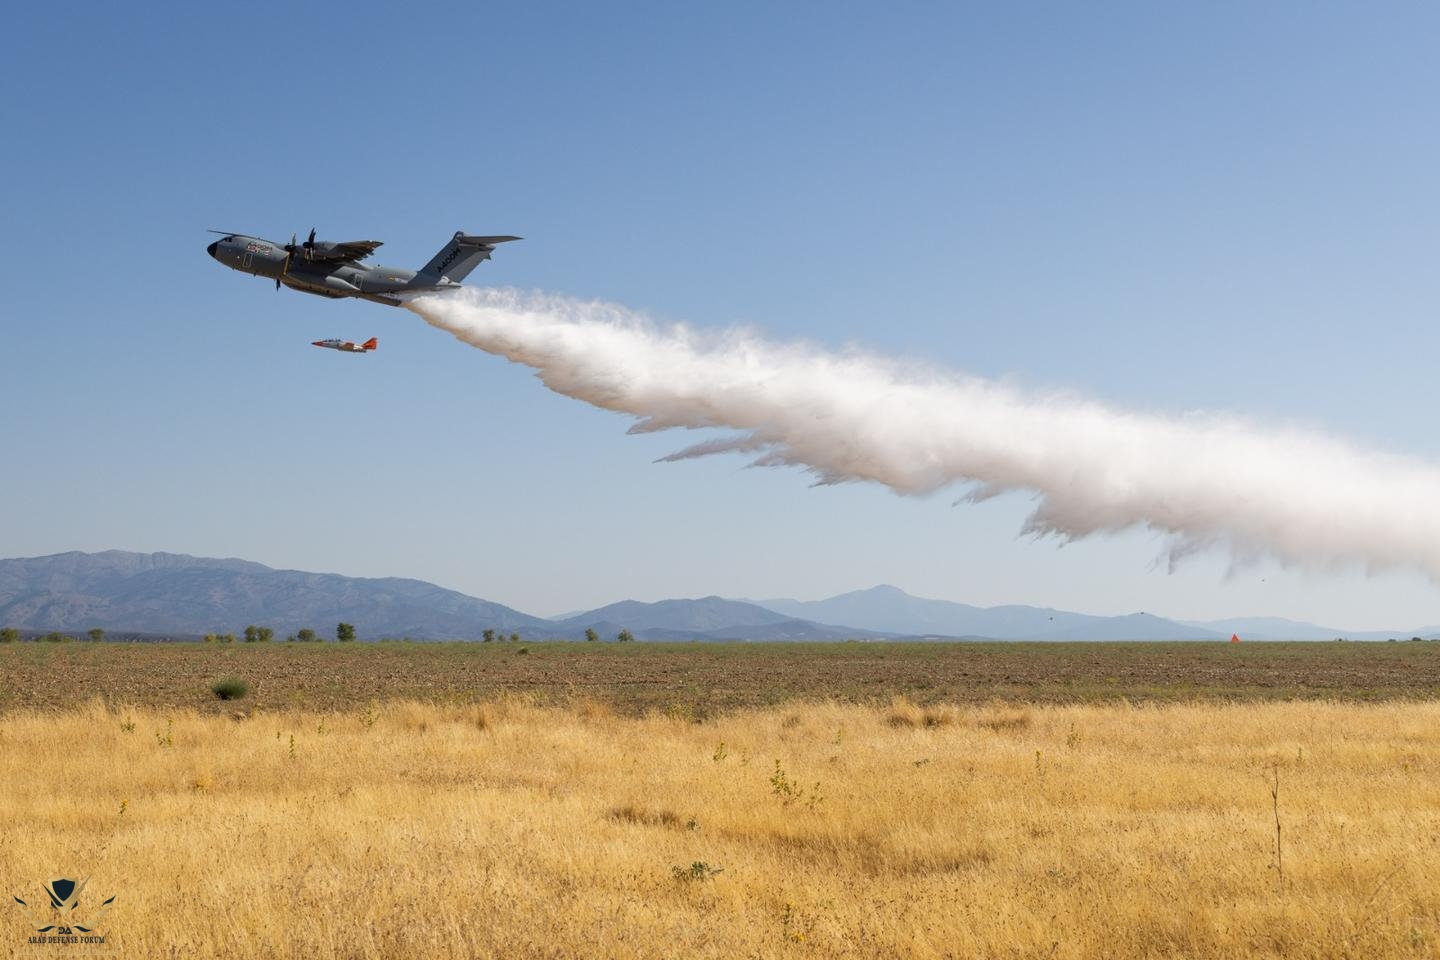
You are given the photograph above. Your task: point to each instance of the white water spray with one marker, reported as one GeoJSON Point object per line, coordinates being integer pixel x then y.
{"type": "Point", "coordinates": [1306, 499]}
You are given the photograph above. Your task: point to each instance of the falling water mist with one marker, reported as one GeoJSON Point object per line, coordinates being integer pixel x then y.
{"type": "Point", "coordinates": [1205, 480]}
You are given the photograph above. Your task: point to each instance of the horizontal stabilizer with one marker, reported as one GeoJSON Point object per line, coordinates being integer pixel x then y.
{"type": "Point", "coordinates": [469, 240]}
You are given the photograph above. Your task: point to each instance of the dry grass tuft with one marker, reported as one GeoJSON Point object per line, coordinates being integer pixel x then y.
{"type": "Point", "coordinates": [481, 716]}
{"type": "Point", "coordinates": [1003, 720]}
{"type": "Point", "coordinates": [630, 813]}
{"type": "Point", "coordinates": [592, 710]}
{"type": "Point", "coordinates": [903, 713]}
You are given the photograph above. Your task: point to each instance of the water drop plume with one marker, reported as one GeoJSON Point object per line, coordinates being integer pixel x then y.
{"type": "Point", "coordinates": [1206, 480]}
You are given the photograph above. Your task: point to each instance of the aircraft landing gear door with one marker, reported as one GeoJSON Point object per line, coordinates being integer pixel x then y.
{"type": "Point", "coordinates": [248, 263]}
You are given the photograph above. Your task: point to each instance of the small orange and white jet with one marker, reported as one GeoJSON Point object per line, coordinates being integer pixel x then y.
{"type": "Point", "coordinates": [346, 346]}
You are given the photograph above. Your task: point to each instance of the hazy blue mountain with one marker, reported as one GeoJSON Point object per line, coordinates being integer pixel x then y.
{"type": "Point", "coordinates": [704, 614]}
{"type": "Point", "coordinates": [1278, 628]}
{"type": "Point", "coordinates": [916, 616]}
{"type": "Point", "coordinates": [780, 630]}
{"type": "Point", "coordinates": [1268, 628]}
{"type": "Point", "coordinates": [1134, 626]}
{"type": "Point", "coordinates": [177, 594]}
{"type": "Point", "coordinates": [892, 609]}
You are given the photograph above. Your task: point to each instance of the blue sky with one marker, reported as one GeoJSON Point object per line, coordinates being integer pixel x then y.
{"type": "Point", "coordinates": [1226, 208]}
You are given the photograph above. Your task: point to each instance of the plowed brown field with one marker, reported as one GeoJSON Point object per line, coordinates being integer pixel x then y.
{"type": "Point", "coordinates": [705, 679]}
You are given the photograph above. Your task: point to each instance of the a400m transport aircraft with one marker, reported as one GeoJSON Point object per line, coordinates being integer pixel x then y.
{"type": "Point", "coordinates": [330, 269]}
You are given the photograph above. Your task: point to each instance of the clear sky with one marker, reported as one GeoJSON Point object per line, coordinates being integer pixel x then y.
{"type": "Point", "coordinates": [1227, 207]}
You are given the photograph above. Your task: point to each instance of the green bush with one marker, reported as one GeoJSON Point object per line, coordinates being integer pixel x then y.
{"type": "Point", "coordinates": [229, 688]}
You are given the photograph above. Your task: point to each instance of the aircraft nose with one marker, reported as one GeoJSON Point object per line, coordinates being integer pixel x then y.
{"type": "Point", "coordinates": [211, 249]}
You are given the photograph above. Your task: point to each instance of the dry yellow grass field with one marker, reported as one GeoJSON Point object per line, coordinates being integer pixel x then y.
{"type": "Point", "coordinates": [512, 830]}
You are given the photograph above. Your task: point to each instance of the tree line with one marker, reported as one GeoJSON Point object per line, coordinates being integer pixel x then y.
{"type": "Point", "coordinates": [344, 633]}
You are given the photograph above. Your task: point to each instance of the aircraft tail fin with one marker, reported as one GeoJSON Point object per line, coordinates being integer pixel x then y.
{"type": "Point", "coordinates": [370, 344]}
{"type": "Point", "coordinates": [461, 255]}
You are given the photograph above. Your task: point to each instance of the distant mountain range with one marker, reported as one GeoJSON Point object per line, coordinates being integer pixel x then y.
{"type": "Point", "coordinates": [902, 613]}
{"type": "Point", "coordinates": [176, 595]}
{"type": "Point", "coordinates": [167, 593]}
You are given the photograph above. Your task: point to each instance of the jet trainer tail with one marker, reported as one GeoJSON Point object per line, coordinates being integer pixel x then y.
{"type": "Point", "coordinates": [460, 256]}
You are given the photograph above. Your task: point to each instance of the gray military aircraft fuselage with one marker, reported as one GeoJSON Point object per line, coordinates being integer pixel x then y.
{"type": "Point", "coordinates": [331, 269]}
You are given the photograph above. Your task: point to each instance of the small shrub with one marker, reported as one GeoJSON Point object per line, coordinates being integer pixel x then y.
{"type": "Point", "coordinates": [697, 871]}
{"type": "Point", "coordinates": [229, 688]}
{"type": "Point", "coordinates": [679, 710]}
{"type": "Point", "coordinates": [789, 791]}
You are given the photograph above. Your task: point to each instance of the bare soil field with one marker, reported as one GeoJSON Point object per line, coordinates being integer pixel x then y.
{"type": "Point", "coordinates": [700, 680]}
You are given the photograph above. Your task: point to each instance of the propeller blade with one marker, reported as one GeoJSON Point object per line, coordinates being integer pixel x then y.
{"type": "Point", "coordinates": [285, 267]}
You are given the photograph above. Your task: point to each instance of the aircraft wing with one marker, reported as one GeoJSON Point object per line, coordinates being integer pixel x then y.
{"type": "Point", "coordinates": [345, 250]}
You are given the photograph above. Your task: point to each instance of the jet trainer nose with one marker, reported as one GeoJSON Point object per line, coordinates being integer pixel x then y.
{"type": "Point", "coordinates": [211, 249]}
